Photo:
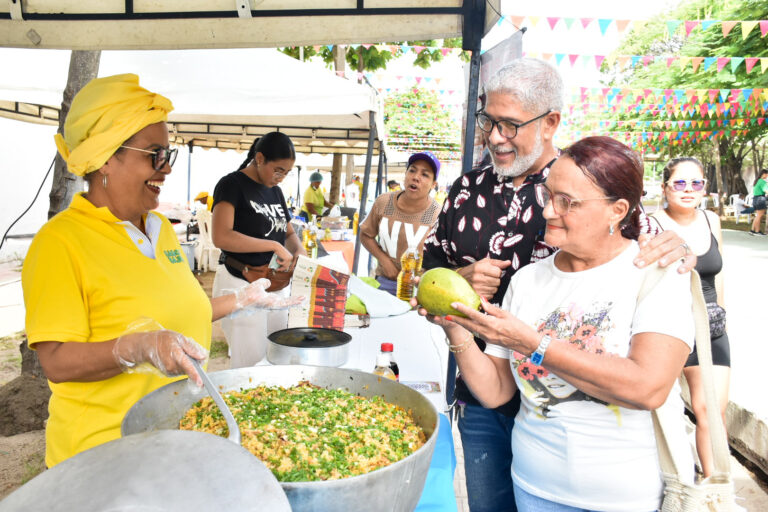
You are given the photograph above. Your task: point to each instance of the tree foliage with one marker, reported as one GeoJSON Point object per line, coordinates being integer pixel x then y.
{"type": "Point", "coordinates": [415, 120]}
{"type": "Point", "coordinates": [371, 58]}
{"type": "Point", "coordinates": [735, 141]}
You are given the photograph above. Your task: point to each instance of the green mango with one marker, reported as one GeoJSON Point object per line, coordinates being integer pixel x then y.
{"type": "Point", "coordinates": [440, 287]}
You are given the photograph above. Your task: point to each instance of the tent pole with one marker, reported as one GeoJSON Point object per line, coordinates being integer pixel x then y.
{"type": "Point", "coordinates": [189, 174]}
{"type": "Point", "coordinates": [472, 38]}
{"type": "Point", "coordinates": [364, 196]}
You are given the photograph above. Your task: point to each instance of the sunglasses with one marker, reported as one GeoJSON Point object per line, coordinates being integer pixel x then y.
{"type": "Point", "coordinates": [561, 203]}
{"type": "Point", "coordinates": [680, 185]}
{"type": "Point", "coordinates": [160, 156]}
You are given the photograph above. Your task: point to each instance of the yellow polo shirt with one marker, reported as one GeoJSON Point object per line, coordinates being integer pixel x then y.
{"type": "Point", "coordinates": [316, 197]}
{"type": "Point", "coordinates": [85, 281]}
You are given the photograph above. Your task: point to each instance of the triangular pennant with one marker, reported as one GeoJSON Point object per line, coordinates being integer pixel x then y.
{"type": "Point", "coordinates": [599, 60]}
{"type": "Point", "coordinates": [624, 59]}
{"type": "Point", "coordinates": [534, 20]}
{"type": "Point", "coordinates": [696, 62]}
{"type": "Point", "coordinates": [763, 28]}
{"type": "Point", "coordinates": [546, 56]}
{"type": "Point", "coordinates": [621, 25]}
{"type": "Point", "coordinates": [728, 26]}
{"type": "Point", "coordinates": [330, 47]}
{"type": "Point", "coordinates": [708, 61]}
{"type": "Point", "coordinates": [445, 51]}
{"type": "Point", "coordinates": [586, 21]}
{"type": "Point", "coordinates": [559, 58]}
{"type": "Point", "coordinates": [638, 25]}
{"type": "Point", "coordinates": [746, 93]}
{"type": "Point", "coordinates": [735, 61]}
{"type": "Point", "coordinates": [647, 59]}
{"type": "Point", "coordinates": [568, 22]}
{"type": "Point", "coordinates": [552, 22]}
{"type": "Point", "coordinates": [585, 59]}
{"type": "Point", "coordinates": [705, 24]}
{"type": "Point", "coordinates": [724, 93]}
{"type": "Point", "coordinates": [670, 60]}
{"type": "Point", "coordinates": [517, 20]}
{"type": "Point", "coordinates": [750, 61]}
{"type": "Point", "coordinates": [746, 28]}
{"type": "Point", "coordinates": [635, 60]}
{"type": "Point", "coordinates": [721, 62]}
{"type": "Point", "coordinates": [684, 62]}
{"type": "Point", "coordinates": [604, 24]}
{"type": "Point", "coordinates": [572, 57]}
{"type": "Point", "coordinates": [764, 64]}
{"type": "Point", "coordinates": [672, 26]}
{"type": "Point", "coordinates": [690, 25]}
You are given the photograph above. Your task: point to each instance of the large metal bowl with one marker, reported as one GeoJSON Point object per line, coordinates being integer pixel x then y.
{"type": "Point", "coordinates": [396, 487]}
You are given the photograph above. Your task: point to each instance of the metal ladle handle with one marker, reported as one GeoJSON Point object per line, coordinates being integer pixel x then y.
{"type": "Point", "coordinates": [234, 429]}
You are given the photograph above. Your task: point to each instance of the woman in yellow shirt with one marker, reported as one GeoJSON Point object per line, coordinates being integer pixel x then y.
{"type": "Point", "coordinates": [314, 199]}
{"type": "Point", "coordinates": [112, 308]}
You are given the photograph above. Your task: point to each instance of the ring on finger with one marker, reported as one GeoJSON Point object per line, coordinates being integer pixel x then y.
{"type": "Point", "coordinates": [685, 248]}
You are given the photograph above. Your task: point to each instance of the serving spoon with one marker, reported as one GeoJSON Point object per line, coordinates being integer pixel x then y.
{"type": "Point", "coordinates": [234, 428]}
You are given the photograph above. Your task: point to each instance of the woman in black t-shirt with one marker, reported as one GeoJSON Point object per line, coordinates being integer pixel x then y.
{"type": "Point", "coordinates": [251, 222]}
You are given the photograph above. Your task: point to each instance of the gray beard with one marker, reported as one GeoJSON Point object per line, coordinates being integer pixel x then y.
{"type": "Point", "coordinates": [522, 163]}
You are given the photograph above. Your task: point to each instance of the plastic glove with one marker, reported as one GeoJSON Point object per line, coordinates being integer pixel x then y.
{"type": "Point", "coordinates": [148, 348]}
{"type": "Point", "coordinates": [255, 296]}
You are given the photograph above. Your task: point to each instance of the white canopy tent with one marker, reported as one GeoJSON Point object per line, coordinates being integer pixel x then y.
{"type": "Point", "coordinates": [222, 98]}
{"type": "Point", "coordinates": [171, 24]}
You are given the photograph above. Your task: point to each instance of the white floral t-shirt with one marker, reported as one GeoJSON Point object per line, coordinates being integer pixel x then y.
{"type": "Point", "coordinates": [569, 447]}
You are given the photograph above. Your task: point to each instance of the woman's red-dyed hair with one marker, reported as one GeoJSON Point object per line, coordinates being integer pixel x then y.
{"type": "Point", "coordinates": [615, 169]}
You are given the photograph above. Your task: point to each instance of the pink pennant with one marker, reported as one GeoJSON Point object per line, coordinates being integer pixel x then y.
{"type": "Point", "coordinates": [763, 28]}
{"type": "Point", "coordinates": [367, 45]}
{"type": "Point", "coordinates": [722, 62]}
{"type": "Point", "coordinates": [552, 22]}
{"type": "Point", "coordinates": [599, 60]}
{"type": "Point", "coordinates": [586, 21]}
{"type": "Point", "coordinates": [713, 95]}
{"type": "Point", "coordinates": [647, 59]}
{"type": "Point", "coordinates": [445, 51]}
{"type": "Point", "coordinates": [751, 61]}
{"type": "Point", "coordinates": [418, 80]}
{"type": "Point", "coordinates": [760, 121]}
{"type": "Point", "coordinates": [670, 60]}
{"type": "Point", "coordinates": [690, 25]}
{"type": "Point", "coordinates": [573, 58]}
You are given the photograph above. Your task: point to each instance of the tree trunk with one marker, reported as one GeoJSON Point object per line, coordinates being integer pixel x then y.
{"type": "Point", "coordinates": [719, 179]}
{"type": "Point", "coordinates": [83, 67]}
{"type": "Point", "coordinates": [339, 64]}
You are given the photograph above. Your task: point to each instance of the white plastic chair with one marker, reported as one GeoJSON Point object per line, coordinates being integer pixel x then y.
{"type": "Point", "coordinates": [206, 254]}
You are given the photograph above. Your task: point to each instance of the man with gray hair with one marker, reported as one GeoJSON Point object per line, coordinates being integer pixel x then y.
{"type": "Point", "coordinates": [490, 226]}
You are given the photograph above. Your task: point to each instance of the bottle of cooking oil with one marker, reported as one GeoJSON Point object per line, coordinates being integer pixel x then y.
{"type": "Point", "coordinates": [387, 349]}
{"type": "Point", "coordinates": [410, 266]}
{"type": "Point", "coordinates": [382, 367]}
{"type": "Point", "coordinates": [309, 240]}
{"type": "Point", "coordinates": [355, 221]}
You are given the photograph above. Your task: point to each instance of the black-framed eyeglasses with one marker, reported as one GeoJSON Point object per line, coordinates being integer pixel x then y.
{"type": "Point", "coordinates": [561, 203]}
{"type": "Point", "coordinates": [680, 185]}
{"type": "Point", "coordinates": [507, 129]}
{"type": "Point", "coordinates": [160, 156]}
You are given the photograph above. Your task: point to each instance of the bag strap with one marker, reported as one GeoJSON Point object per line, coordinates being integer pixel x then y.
{"type": "Point", "coordinates": [662, 421]}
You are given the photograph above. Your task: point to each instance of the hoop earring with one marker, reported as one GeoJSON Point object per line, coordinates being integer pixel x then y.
{"type": "Point", "coordinates": [104, 181]}
{"type": "Point", "coordinates": [610, 229]}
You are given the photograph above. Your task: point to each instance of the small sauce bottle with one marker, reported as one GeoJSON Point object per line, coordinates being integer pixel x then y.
{"type": "Point", "coordinates": [387, 349]}
{"type": "Point", "coordinates": [410, 265]}
{"type": "Point", "coordinates": [382, 367]}
{"type": "Point", "coordinates": [355, 221]}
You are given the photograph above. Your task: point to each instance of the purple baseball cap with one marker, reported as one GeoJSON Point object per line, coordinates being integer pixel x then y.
{"type": "Point", "coordinates": [428, 157]}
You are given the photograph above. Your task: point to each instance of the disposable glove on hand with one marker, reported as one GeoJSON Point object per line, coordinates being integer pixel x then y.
{"type": "Point", "coordinates": [255, 296]}
{"type": "Point", "coordinates": [148, 348]}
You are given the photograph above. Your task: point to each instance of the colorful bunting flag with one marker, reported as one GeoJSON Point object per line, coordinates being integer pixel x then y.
{"type": "Point", "coordinates": [746, 28]}
{"type": "Point", "coordinates": [672, 26]}
{"type": "Point", "coordinates": [727, 27]}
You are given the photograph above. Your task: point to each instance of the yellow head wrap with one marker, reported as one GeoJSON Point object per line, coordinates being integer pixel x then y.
{"type": "Point", "coordinates": [104, 114]}
{"type": "Point", "coordinates": [201, 195]}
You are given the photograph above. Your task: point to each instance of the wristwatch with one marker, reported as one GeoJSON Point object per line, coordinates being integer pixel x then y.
{"type": "Point", "coordinates": [538, 356]}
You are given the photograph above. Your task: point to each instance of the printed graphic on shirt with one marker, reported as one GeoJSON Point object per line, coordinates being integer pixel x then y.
{"type": "Point", "coordinates": [274, 213]}
{"type": "Point", "coordinates": [388, 238]}
{"type": "Point", "coordinates": [585, 330]}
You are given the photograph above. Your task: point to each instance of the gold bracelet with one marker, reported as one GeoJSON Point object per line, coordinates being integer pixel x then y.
{"type": "Point", "coordinates": [458, 349]}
